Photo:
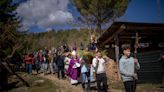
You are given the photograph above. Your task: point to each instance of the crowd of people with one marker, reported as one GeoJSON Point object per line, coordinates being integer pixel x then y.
{"type": "Point", "coordinates": [68, 64]}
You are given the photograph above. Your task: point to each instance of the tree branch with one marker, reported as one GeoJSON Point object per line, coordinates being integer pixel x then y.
{"type": "Point", "coordinates": [16, 47]}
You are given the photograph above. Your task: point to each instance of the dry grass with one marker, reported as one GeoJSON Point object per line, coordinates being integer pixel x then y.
{"type": "Point", "coordinates": [150, 88]}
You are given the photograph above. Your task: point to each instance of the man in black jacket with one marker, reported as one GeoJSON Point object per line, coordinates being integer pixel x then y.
{"type": "Point", "coordinates": [60, 64]}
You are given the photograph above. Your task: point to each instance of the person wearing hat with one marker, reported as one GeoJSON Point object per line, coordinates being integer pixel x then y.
{"type": "Point", "coordinates": [127, 66]}
{"type": "Point", "coordinates": [74, 68]}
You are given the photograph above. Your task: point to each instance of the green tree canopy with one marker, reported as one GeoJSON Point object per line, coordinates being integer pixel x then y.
{"type": "Point", "coordinates": [99, 12]}
{"type": "Point", "coordinates": [8, 26]}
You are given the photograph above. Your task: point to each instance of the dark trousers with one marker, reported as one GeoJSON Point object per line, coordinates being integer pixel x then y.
{"type": "Point", "coordinates": [61, 72]}
{"type": "Point", "coordinates": [37, 66]}
{"type": "Point", "coordinates": [101, 82]}
{"type": "Point", "coordinates": [130, 86]}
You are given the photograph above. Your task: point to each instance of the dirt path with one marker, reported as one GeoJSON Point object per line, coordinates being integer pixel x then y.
{"type": "Point", "coordinates": [64, 85]}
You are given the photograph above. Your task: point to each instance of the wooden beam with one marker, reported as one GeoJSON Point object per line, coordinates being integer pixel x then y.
{"type": "Point", "coordinates": [122, 27]}
{"type": "Point", "coordinates": [144, 28]}
{"type": "Point", "coordinates": [116, 47]}
{"type": "Point", "coordinates": [136, 45]}
{"type": "Point", "coordinates": [117, 54]}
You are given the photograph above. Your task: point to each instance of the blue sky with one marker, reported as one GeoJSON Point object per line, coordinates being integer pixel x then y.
{"type": "Point", "coordinates": [144, 11]}
{"type": "Point", "coordinates": [137, 11]}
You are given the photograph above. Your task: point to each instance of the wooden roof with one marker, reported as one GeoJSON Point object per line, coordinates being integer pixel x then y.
{"type": "Point", "coordinates": [127, 30]}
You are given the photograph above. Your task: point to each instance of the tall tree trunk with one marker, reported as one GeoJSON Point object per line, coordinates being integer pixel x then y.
{"type": "Point", "coordinates": [8, 66]}
{"type": "Point", "coordinates": [98, 29]}
{"type": "Point", "coordinates": [19, 77]}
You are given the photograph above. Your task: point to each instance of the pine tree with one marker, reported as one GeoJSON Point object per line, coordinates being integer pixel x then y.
{"type": "Point", "coordinates": [99, 12]}
{"type": "Point", "coordinates": [8, 26]}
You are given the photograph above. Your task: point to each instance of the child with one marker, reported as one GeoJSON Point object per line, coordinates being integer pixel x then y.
{"type": "Point", "coordinates": [127, 66]}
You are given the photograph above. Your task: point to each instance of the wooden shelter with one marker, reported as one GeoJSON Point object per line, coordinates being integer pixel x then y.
{"type": "Point", "coordinates": [145, 39]}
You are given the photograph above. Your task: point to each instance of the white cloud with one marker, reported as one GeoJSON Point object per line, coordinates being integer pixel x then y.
{"type": "Point", "coordinates": [44, 13]}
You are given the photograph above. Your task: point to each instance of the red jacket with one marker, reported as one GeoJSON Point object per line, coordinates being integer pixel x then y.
{"type": "Point", "coordinates": [40, 56]}
{"type": "Point", "coordinates": [28, 60]}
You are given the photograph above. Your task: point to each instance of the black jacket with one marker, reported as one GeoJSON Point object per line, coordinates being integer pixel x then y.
{"type": "Point", "coordinates": [60, 60]}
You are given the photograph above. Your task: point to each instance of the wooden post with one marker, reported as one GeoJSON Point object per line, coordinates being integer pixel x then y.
{"type": "Point", "coordinates": [117, 54]}
{"type": "Point", "coordinates": [136, 45]}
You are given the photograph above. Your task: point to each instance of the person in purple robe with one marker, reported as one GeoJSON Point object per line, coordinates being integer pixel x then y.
{"type": "Point", "coordinates": [74, 68]}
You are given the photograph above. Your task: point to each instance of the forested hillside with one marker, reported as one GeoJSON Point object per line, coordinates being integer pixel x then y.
{"type": "Point", "coordinates": [55, 39]}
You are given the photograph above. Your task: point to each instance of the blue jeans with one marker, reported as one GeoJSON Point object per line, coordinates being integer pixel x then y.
{"type": "Point", "coordinates": [55, 67]}
{"type": "Point", "coordinates": [29, 68]}
{"type": "Point", "coordinates": [84, 78]}
{"type": "Point", "coordinates": [45, 67]}
{"type": "Point", "coordinates": [41, 65]}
